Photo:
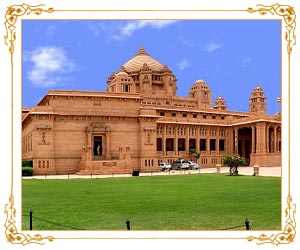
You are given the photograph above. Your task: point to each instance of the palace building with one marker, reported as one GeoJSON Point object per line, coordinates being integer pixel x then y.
{"type": "Point", "coordinates": [140, 121]}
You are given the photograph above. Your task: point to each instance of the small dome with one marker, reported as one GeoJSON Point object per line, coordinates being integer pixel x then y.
{"type": "Point", "coordinates": [200, 82]}
{"type": "Point", "coordinates": [122, 73]}
{"type": "Point", "coordinates": [257, 91]}
{"type": "Point", "coordinates": [136, 63]}
{"type": "Point", "coordinates": [220, 103]}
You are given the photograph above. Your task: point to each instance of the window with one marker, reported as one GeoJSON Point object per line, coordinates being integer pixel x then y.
{"type": "Point", "coordinates": [212, 145]}
{"type": "Point", "coordinates": [202, 144]}
{"type": "Point", "coordinates": [213, 117]}
{"type": "Point", "coordinates": [126, 88]}
{"type": "Point", "coordinates": [194, 116]}
{"type": "Point", "coordinates": [162, 113]}
{"type": "Point", "coordinates": [192, 143]}
{"type": "Point", "coordinates": [184, 115]}
{"type": "Point", "coordinates": [173, 114]}
{"type": "Point", "coordinates": [204, 116]}
{"type": "Point", "coordinates": [181, 144]}
{"type": "Point", "coordinates": [170, 144]}
{"type": "Point", "coordinates": [222, 145]}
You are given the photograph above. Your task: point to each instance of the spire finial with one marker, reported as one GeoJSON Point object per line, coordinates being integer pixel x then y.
{"type": "Point", "coordinates": [141, 51]}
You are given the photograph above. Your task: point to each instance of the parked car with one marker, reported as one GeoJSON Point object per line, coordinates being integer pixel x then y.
{"type": "Point", "coordinates": [164, 166]}
{"type": "Point", "coordinates": [194, 165]}
{"type": "Point", "coordinates": [180, 164]}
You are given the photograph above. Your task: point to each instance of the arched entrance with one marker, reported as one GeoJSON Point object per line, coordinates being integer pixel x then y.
{"type": "Point", "coordinates": [244, 143]}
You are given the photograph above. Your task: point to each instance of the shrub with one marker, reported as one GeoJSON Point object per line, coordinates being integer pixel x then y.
{"type": "Point", "coordinates": [233, 162]}
{"type": "Point", "coordinates": [27, 171]}
{"type": "Point", "coordinates": [27, 163]}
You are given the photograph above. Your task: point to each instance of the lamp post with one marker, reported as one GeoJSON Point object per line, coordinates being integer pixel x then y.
{"type": "Point", "coordinates": [279, 103]}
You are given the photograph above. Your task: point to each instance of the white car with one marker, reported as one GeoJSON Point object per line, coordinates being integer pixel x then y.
{"type": "Point", "coordinates": [164, 166]}
{"type": "Point", "coordinates": [180, 164]}
{"type": "Point", "coordinates": [194, 165]}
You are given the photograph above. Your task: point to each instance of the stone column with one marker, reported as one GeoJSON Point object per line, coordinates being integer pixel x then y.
{"type": "Point", "coordinates": [187, 139]}
{"type": "Point", "coordinates": [253, 140]}
{"type": "Point", "coordinates": [261, 137]}
{"type": "Point", "coordinates": [176, 139]}
{"type": "Point", "coordinates": [198, 139]}
{"type": "Point", "coordinates": [164, 139]}
{"type": "Point", "coordinates": [236, 140]}
{"type": "Point", "coordinates": [217, 140]}
{"type": "Point", "coordinates": [208, 144]}
{"type": "Point", "coordinates": [275, 139]}
{"type": "Point", "coordinates": [268, 138]}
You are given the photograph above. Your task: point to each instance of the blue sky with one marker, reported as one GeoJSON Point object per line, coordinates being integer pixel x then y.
{"type": "Point", "coordinates": [231, 56]}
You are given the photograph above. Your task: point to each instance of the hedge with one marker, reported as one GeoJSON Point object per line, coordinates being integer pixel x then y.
{"type": "Point", "coordinates": [27, 163]}
{"type": "Point", "coordinates": [27, 171]}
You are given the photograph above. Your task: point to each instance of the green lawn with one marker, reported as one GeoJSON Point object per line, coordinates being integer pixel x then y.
{"type": "Point", "coordinates": [181, 202]}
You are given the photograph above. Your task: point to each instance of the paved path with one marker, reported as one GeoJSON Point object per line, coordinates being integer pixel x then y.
{"type": "Point", "coordinates": [263, 171]}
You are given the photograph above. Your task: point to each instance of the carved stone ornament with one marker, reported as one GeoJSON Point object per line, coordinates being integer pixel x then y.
{"type": "Point", "coordinates": [97, 126]}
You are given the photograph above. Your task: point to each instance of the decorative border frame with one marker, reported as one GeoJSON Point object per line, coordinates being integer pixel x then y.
{"type": "Point", "coordinates": [14, 12]}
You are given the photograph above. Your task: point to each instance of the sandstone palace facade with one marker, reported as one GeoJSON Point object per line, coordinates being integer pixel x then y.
{"type": "Point", "coordinates": [139, 121]}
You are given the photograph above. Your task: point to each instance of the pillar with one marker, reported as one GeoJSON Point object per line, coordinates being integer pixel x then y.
{"type": "Point", "coordinates": [217, 140]}
{"type": "Point", "coordinates": [253, 140]}
{"type": "Point", "coordinates": [275, 139]}
{"type": "Point", "coordinates": [236, 140]}
{"type": "Point", "coordinates": [176, 140]}
{"type": "Point", "coordinates": [164, 139]}
{"type": "Point", "coordinates": [198, 139]}
{"type": "Point", "coordinates": [261, 137]}
{"type": "Point", "coordinates": [187, 139]}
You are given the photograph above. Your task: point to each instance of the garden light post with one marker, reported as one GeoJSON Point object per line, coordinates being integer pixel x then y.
{"type": "Point", "coordinates": [247, 224]}
{"type": "Point", "coordinates": [30, 220]}
{"type": "Point", "coordinates": [128, 224]}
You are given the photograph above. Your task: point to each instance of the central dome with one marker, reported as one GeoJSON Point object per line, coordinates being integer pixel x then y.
{"type": "Point", "coordinates": [137, 62]}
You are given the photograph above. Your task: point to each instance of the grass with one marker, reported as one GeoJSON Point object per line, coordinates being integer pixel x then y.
{"type": "Point", "coordinates": [182, 202]}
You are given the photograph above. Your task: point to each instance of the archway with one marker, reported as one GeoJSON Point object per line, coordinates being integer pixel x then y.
{"type": "Point", "coordinates": [244, 143]}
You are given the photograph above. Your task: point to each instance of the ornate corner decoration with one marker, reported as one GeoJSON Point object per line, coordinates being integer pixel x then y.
{"type": "Point", "coordinates": [289, 232]}
{"type": "Point", "coordinates": [11, 17]}
{"type": "Point", "coordinates": [11, 231]}
{"type": "Point", "coordinates": [12, 14]}
{"type": "Point", "coordinates": [289, 17]}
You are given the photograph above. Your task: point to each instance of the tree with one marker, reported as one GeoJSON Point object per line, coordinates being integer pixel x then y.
{"type": "Point", "coordinates": [233, 162]}
{"type": "Point", "coordinates": [195, 154]}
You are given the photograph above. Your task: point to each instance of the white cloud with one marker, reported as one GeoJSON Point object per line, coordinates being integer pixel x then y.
{"type": "Point", "coordinates": [189, 43]}
{"type": "Point", "coordinates": [183, 64]}
{"type": "Point", "coordinates": [96, 27]}
{"type": "Point", "coordinates": [213, 46]}
{"type": "Point", "coordinates": [130, 27]}
{"type": "Point", "coordinates": [49, 66]}
{"type": "Point", "coordinates": [208, 47]}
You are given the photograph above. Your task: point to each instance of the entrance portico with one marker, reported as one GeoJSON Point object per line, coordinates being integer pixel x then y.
{"type": "Point", "coordinates": [98, 138]}
{"type": "Point", "coordinates": [259, 143]}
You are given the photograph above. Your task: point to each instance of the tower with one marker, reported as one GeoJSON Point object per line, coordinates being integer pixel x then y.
{"type": "Point", "coordinates": [220, 103]}
{"type": "Point", "coordinates": [257, 101]}
{"type": "Point", "coordinates": [202, 93]}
